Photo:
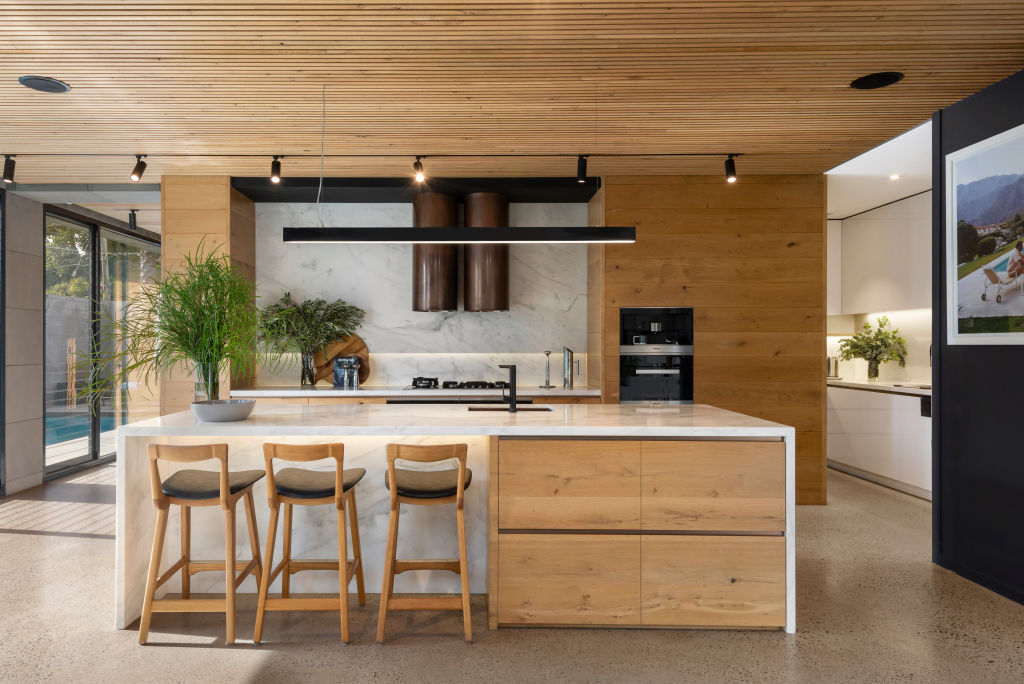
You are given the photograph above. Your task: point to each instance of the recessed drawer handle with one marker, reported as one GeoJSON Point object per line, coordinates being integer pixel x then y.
{"type": "Point", "coordinates": [657, 371]}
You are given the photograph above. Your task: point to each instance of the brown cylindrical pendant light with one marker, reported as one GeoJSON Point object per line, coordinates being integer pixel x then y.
{"type": "Point", "coordinates": [486, 266]}
{"type": "Point", "coordinates": [435, 268]}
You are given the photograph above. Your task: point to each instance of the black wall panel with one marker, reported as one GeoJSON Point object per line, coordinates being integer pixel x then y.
{"type": "Point", "coordinates": [978, 395]}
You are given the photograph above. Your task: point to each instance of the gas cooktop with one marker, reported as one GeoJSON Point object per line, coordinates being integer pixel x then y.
{"type": "Point", "coordinates": [432, 383]}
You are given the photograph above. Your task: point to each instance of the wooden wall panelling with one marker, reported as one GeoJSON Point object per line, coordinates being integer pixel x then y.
{"type": "Point", "coordinates": [749, 257]}
{"type": "Point", "coordinates": [203, 210]}
{"type": "Point", "coordinates": [595, 294]}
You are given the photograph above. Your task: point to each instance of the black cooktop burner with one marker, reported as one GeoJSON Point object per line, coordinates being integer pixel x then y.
{"type": "Point", "coordinates": [431, 383]}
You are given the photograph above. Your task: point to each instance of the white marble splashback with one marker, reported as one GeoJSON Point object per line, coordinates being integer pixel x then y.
{"type": "Point", "coordinates": [548, 292]}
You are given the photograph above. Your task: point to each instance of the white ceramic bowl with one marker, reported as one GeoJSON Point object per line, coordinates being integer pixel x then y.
{"type": "Point", "coordinates": [223, 410]}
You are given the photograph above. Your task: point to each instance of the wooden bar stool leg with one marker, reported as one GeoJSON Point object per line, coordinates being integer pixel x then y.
{"type": "Point", "coordinates": [254, 537]}
{"type": "Point", "coordinates": [268, 566]}
{"type": "Point", "coordinates": [154, 571]}
{"type": "Point", "coordinates": [357, 552]}
{"type": "Point", "coordinates": [467, 621]}
{"type": "Point", "coordinates": [343, 574]}
{"type": "Point", "coordinates": [229, 572]}
{"type": "Point", "coordinates": [186, 551]}
{"type": "Point", "coordinates": [286, 551]}
{"type": "Point", "coordinates": [387, 585]}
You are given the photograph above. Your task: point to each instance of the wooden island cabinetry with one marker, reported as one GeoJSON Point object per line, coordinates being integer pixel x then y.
{"type": "Point", "coordinates": [685, 533]}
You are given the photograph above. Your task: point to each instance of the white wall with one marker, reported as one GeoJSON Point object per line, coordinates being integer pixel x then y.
{"type": "Point", "coordinates": [23, 453]}
{"type": "Point", "coordinates": [886, 257]}
{"type": "Point", "coordinates": [548, 293]}
{"type": "Point", "coordinates": [915, 326]}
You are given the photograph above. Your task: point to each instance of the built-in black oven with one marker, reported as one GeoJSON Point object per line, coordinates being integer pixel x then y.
{"type": "Point", "coordinates": [656, 354]}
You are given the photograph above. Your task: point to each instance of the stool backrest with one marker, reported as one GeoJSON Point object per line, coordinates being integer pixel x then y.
{"type": "Point", "coordinates": [187, 454]}
{"type": "Point", "coordinates": [305, 453]}
{"type": "Point", "coordinates": [427, 453]}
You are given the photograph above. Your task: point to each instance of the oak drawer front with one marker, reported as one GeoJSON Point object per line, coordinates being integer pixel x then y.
{"type": "Point", "coordinates": [714, 486]}
{"type": "Point", "coordinates": [569, 485]}
{"type": "Point", "coordinates": [565, 579]}
{"type": "Point", "coordinates": [713, 581]}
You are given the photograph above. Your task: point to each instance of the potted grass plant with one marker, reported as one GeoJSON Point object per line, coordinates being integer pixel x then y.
{"type": "Point", "coordinates": [876, 346]}
{"type": "Point", "coordinates": [202, 316]}
{"type": "Point", "coordinates": [308, 327]}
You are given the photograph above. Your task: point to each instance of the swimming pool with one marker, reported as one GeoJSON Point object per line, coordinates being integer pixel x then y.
{"type": "Point", "coordinates": [1001, 266]}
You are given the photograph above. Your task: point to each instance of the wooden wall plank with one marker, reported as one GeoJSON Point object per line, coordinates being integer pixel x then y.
{"type": "Point", "coordinates": [756, 281]}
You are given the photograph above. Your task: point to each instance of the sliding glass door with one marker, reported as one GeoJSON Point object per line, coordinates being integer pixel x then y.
{"type": "Point", "coordinates": [90, 274]}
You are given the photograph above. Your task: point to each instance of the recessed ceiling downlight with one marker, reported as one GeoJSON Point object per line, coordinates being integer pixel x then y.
{"type": "Point", "coordinates": [44, 84]}
{"type": "Point", "coordinates": [880, 79]}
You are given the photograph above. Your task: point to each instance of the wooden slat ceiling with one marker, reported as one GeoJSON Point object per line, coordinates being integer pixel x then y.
{"type": "Point", "coordinates": [767, 79]}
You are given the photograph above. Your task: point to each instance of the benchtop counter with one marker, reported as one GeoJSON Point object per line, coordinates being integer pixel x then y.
{"type": "Point", "coordinates": [586, 420]}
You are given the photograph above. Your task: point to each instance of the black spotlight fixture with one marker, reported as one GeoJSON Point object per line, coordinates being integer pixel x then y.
{"type": "Point", "coordinates": [275, 170]}
{"type": "Point", "coordinates": [133, 221]}
{"type": "Point", "coordinates": [581, 168]}
{"type": "Point", "coordinates": [44, 84]}
{"type": "Point", "coordinates": [8, 168]}
{"type": "Point", "coordinates": [140, 168]}
{"type": "Point", "coordinates": [730, 169]}
{"type": "Point", "coordinates": [877, 80]}
{"type": "Point", "coordinates": [417, 170]}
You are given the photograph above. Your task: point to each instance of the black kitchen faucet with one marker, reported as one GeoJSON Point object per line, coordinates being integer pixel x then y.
{"type": "Point", "coordinates": [511, 386]}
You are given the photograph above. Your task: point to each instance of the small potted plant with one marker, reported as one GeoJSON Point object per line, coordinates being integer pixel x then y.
{"type": "Point", "coordinates": [202, 316]}
{"type": "Point", "coordinates": [308, 327]}
{"type": "Point", "coordinates": [876, 346]}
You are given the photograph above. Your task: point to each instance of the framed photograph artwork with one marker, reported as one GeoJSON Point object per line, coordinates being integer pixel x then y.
{"type": "Point", "coordinates": [985, 241]}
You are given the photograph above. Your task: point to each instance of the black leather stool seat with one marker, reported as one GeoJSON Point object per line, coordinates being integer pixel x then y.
{"type": "Point", "coordinates": [300, 483]}
{"type": "Point", "coordinates": [428, 484]}
{"type": "Point", "coordinates": [205, 484]}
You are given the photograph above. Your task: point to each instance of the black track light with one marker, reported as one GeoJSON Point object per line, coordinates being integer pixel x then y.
{"type": "Point", "coordinates": [140, 168]}
{"type": "Point", "coordinates": [417, 169]}
{"type": "Point", "coordinates": [133, 222]}
{"type": "Point", "coordinates": [730, 169]}
{"type": "Point", "coordinates": [8, 168]}
{"type": "Point", "coordinates": [581, 168]}
{"type": "Point", "coordinates": [275, 170]}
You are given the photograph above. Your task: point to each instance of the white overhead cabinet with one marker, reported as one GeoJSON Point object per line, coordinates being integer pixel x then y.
{"type": "Point", "coordinates": [886, 258]}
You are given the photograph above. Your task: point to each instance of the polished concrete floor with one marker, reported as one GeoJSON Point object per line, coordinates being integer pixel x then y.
{"type": "Point", "coordinates": [870, 607]}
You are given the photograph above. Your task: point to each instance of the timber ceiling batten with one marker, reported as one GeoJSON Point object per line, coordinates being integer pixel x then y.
{"type": "Point", "coordinates": [770, 80]}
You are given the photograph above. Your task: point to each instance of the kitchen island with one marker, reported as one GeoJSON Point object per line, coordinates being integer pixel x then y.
{"type": "Point", "coordinates": [600, 515]}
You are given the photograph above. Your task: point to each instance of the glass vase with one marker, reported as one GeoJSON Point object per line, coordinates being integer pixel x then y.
{"type": "Point", "coordinates": [308, 370]}
{"type": "Point", "coordinates": [872, 370]}
{"type": "Point", "coordinates": [207, 381]}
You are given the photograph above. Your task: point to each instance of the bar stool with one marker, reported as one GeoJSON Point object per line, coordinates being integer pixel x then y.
{"type": "Point", "coordinates": [300, 487]}
{"type": "Point", "coordinates": [188, 488]}
{"type": "Point", "coordinates": [425, 488]}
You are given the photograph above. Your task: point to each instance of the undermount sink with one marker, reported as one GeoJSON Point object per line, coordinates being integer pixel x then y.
{"type": "Point", "coordinates": [505, 409]}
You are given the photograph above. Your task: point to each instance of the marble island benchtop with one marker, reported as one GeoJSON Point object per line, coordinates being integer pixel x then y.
{"type": "Point", "coordinates": [599, 420]}
{"type": "Point", "coordinates": [261, 391]}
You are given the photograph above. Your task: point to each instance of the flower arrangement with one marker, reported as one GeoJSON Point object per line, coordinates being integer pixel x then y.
{"type": "Point", "coordinates": [876, 346]}
{"type": "Point", "coordinates": [308, 327]}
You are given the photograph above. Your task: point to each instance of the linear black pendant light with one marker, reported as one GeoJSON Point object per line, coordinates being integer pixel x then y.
{"type": "Point", "coordinates": [730, 169]}
{"type": "Point", "coordinates": [458, 235]}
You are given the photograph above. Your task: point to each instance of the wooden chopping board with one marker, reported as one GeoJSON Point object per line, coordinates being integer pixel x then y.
{"type": "Point", "coordinates": [349, 346]}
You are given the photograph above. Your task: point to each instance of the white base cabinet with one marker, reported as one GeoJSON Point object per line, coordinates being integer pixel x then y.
{"type": "Point", "coordinates": [881, 436]}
